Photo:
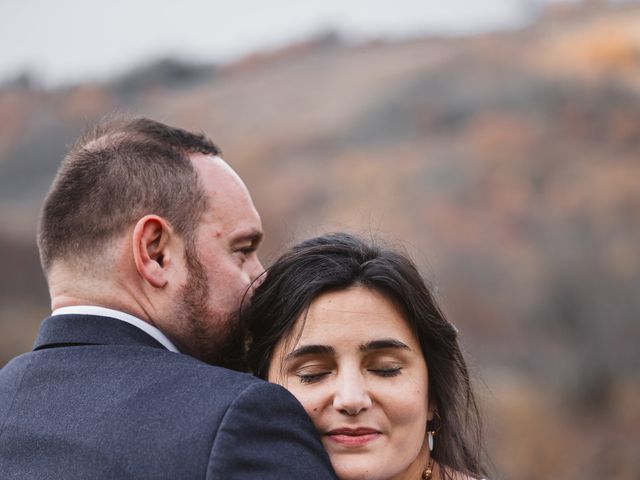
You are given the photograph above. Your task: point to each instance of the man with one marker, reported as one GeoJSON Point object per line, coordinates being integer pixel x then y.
{"type": "Point", "coordinates": [148, 240]}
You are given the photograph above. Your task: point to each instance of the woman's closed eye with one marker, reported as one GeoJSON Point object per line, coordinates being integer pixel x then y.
{"type": "Point", "coordinates": [311, 377]}
{"type": "Point", "coordinates": [386, 371]}
{"type": "Point", "coordinates": [312, 374]}
{"type": "Point", "coordinates": [384, 365]}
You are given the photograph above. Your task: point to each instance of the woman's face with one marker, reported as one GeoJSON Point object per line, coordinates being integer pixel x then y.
{"type": "Point", "coordinates": [358, 370]}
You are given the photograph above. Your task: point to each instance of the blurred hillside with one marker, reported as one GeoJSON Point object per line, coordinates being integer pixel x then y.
{"type": "Point", "coordinates": [507, 164]}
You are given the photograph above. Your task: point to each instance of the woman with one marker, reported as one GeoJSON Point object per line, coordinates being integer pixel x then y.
{"type": "Point", "coordinates": [353, 332]}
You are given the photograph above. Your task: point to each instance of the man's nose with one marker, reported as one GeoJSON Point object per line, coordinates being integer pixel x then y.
{"type": "Point", "coordinates": [257, 274]}
{"type": "Point", "coordinates": [352, 395]}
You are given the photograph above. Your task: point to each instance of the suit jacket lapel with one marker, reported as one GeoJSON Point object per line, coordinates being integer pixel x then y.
{"type": "Point", "coordinates": [69, 330]}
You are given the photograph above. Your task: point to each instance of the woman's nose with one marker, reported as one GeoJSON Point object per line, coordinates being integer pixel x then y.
{"type": "Point", "coordinates": [351, 396]}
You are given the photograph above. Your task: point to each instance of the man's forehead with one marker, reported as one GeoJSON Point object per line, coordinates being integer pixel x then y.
{"type": "Point", "coordinates": [213, 164]}
{"type": "Point", "coordinates": [217, 177]}
{"type": "Point", "coordinates": [231, 205]}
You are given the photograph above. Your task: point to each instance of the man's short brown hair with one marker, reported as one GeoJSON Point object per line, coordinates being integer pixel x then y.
{"type": "Point", "coordinates": [115, 174]}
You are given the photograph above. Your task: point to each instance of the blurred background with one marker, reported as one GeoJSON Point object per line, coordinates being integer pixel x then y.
{"type": "Point", "coordinates": [498, 142]}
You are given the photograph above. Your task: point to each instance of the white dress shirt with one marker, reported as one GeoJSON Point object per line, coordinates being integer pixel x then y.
{"type": "Point", "coordinates": [125, 317]}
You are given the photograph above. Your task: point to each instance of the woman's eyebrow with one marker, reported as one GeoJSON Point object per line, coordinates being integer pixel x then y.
{"type": "Point", "coordinates": [310, 350]}
{"type": "Point", "coordinates": [383, 344]}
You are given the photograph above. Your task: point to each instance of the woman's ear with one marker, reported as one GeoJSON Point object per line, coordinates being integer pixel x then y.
{"type": "Point", "coordinates": [151, 238]}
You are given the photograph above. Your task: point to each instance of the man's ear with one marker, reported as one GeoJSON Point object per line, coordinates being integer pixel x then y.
{"type": "Point", "coordinates": [151, 253]}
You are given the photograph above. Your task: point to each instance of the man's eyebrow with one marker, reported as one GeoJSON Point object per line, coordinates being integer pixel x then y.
{"type": "Point", "coordinates": [383, 344]}
{"type": "Point", "coordinates": [310, 350]}
{"type": "Point", "coordinates": [253, 236]}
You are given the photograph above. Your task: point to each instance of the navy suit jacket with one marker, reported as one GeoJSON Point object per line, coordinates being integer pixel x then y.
{"type": "Point", "coordinates": [99, 398]}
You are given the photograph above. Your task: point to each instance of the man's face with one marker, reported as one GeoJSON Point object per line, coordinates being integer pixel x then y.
{"type": "Point", "coordinates": [221, 264]}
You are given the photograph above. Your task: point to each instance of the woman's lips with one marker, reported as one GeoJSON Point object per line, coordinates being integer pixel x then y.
{"type": "Point", "coordinates": [352, 436]}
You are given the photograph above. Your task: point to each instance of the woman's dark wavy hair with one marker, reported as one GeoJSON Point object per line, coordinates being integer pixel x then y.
{"type": "Point", "coordinates": [338, 261]}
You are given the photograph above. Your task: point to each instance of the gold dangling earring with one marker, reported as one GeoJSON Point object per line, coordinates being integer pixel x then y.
{"type": "Point", "coordinates": [434, 428]}
{"type": "Point", "coordinates": [426, 475]}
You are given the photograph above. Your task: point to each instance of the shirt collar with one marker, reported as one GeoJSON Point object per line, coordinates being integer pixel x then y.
{"type": "Point", "coordinates": [117, 314]}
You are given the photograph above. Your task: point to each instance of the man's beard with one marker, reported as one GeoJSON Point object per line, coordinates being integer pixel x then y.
{"type": "Point", "coordinates": [213, 337]}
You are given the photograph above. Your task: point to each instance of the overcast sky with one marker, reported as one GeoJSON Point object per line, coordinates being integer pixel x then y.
{"type": "Point", "coordinates": [72, 40]}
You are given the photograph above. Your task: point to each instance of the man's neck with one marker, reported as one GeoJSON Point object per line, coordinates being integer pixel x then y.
{"type": "Point", "coordinates": [98, 311]}
{"type": "Point", "coordinates": [66, 300]}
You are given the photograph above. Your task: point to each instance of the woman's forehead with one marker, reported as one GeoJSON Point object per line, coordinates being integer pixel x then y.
{"type": "Point", "coordinates": [355, 315]}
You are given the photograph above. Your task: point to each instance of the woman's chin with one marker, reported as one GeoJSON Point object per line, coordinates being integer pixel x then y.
{"type": "Point", "coordinates": [361, 467]}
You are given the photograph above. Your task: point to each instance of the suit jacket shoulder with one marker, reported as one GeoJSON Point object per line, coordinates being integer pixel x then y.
{"type": "Point", "coordinates": [246, 447]}
{"type": "Point", "coordinates": [101, 400]}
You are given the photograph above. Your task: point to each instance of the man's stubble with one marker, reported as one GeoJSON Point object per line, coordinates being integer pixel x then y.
{"type": "Point", "coordinates": [215, 337]}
